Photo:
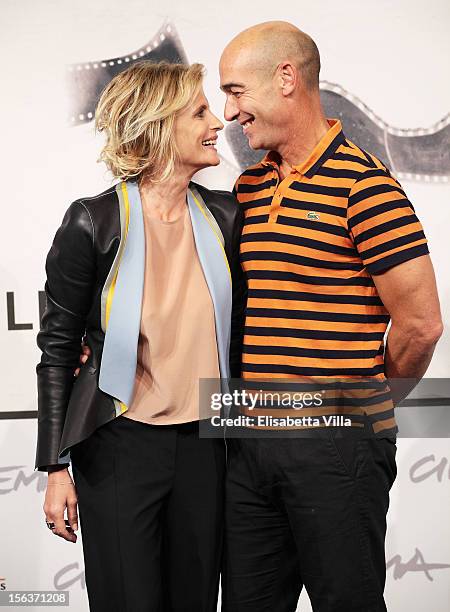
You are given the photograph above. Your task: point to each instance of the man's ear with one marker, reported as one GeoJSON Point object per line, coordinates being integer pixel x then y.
{"type": "Point", "coordinates": [288, 78]}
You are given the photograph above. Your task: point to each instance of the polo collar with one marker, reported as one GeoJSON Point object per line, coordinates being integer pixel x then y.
{"type": "Point", "coordinates": [324, 149]}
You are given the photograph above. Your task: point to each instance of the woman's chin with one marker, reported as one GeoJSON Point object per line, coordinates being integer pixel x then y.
{"type": "Point", "coordinates": [213, 160]}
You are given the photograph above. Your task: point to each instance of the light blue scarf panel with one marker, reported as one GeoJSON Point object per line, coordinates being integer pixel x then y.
{"type": "Point", "coordinates": [119, 358]}
{"type": "Point", "coordinates": [215, 267]}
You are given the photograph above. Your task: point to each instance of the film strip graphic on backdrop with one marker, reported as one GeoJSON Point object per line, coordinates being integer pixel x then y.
{"type": "Point", "coordinates": [415, 154]}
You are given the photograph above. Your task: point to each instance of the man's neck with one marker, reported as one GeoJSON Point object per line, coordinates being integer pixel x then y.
{"type": "Point", "coordinates": [302, 139]}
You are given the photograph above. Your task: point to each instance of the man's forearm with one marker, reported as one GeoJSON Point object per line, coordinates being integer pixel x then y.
{"type": "Point", "coordinates": [407, 357]}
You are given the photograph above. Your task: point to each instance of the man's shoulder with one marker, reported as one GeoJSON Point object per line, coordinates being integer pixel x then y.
{"type": "Point", "coordinates": [364, 163]}
{"type": "Point", "coordinates": [256, 170]}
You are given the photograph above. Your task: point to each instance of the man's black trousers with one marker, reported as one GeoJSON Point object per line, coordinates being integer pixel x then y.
{"type": "Point", "coordinates": [307, 512]}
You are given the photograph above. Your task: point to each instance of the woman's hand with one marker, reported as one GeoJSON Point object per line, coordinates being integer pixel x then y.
{"type": "Point", "coordinates": [60, 495]}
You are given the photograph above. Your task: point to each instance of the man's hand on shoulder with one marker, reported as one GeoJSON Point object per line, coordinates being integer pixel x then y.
{"type": "Point", "coordinates": [85, 354]}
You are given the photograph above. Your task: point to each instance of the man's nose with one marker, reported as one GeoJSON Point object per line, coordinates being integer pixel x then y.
{"type": "Point", "coordinates": [231, 109]}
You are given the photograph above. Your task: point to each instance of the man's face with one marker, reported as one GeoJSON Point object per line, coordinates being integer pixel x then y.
{"type": "Point", "coordinates": [252, 100]}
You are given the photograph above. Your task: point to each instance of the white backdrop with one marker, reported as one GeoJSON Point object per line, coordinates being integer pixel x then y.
{"type": "Point", "coordinates": [392, 56]}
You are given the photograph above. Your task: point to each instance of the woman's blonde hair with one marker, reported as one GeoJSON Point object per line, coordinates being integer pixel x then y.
{"type": "Point", "coordinates": [137, 110]}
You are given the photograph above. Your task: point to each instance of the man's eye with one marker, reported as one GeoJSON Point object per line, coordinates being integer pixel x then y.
{"type": "Point", "coordinates": [236, 94]}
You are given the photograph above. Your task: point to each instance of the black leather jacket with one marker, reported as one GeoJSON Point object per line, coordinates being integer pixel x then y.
{"type": "Point", "coordinates": [83, 251]}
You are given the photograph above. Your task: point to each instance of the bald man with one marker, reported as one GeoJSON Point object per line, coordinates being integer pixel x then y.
{"type": "Point", "coordinates": [332, 251]}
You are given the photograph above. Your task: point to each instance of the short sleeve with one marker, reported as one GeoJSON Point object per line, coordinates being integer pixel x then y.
{"type": "Point", "coordinates": [382, 222]}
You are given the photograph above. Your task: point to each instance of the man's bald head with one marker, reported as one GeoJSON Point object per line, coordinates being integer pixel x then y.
{"type": "Point", "coordinates": [264, 46]}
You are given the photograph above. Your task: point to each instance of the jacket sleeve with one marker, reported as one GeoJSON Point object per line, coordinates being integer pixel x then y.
{"type": "Point", "coordinates": [70, 269]}
{"type": "Point", "coordinates": [239, 298]}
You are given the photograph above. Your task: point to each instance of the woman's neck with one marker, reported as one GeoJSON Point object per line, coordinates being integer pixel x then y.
{"type": "Point", "coordinates": [166, 200]}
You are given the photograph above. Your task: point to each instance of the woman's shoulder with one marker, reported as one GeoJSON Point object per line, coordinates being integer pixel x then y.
{"type": "Point", "coordinates": [106, 197]}
{"type": "Point", "coordinates": [91, 216]}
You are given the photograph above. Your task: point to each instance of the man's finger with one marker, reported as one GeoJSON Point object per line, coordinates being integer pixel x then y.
{"type": "Point", "coordinates": [85, 349]}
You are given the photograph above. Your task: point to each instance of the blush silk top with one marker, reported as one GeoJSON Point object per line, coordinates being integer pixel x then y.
{"type": "Point", "coordinates": [177, 341]}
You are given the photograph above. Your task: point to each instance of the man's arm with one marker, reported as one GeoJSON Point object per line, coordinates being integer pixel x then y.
{"type": "Point", "coordinates": [409, 294]}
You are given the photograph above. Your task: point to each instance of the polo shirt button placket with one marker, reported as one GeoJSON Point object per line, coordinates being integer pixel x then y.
{"type": "Point", "coordinates": [275, 207]}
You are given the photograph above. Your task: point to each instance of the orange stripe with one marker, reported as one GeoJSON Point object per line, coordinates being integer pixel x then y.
{"type": "Point", "coordinates": [390, 235]}
{"type": "Point", "coordinates": [311, 344]}
{"type": "Point", "coordinates": [354, 290]}
{"type": "Point", "coordinates": [289, 305]}
{"type": "Point", "coordinates": [311, 361]}
{"type": "Point", "coordinates": [386, 424]}
{"type": "Point", "coordinates": [319, 325]}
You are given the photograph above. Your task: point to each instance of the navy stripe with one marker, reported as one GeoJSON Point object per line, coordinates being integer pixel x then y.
{"type": "Point", "coordinates": [294, 351]}
{"type": "Point", "coordinates": [384, 228]}
{"type": "Point", "coordinates": [301, 261]}
{"type": "Point", "coordinates": [301, 242]}
{"type": "Point", "coordinates": [246, 188]}
{"type": "Point", "coordinates": [332, 147]}
{"type": "Point", "coordinates": [371, 400]}
{"type": "Point", "coordinates": [253, 220]}
{"type": "Point", "coordinates": [375, 171]}
{"type": "Point", "coordinates": [256, 171]}
{"type": "Point", "coordinates": [338, 192]}
{"type": "Point", "coordinates": [308, 315]}
{"type": "Point", "coordinates": [278, 294]}
{"type": "Point", "coordinates": [342, 385]}
{"type": "Point", "coordinates": [351, 158]}
{"type": "Point", "coordinates": [339, 211]}
{"type": "Point", "coordinates": [369, 158]}
{"type": "Point", "coordinates": [374, 190]}
{"type": "Point", "coordinates": [397, 258]}
{"type": "Point", "coordinates": [374, 211]}
{"type": "Point", "coordinates": [344, 173]}
{"type": "Point", "coordinates": [318, 226]}
{"type": "Point", "coordinates": [392, 244]}
{"type": "Point", "coordinates": [304, 371]}
{"type": "Point", "coordinates": [360, 281]}
{"type": "Point", "coordinates": [313, 334]}
{"type": "Point", "coordinates": [381, 416]}
{"type": "Point", "coordinates": [256, 203]}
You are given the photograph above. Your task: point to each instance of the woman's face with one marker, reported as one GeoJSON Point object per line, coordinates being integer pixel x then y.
{"type": "Point", "coordinates": [196, 130]}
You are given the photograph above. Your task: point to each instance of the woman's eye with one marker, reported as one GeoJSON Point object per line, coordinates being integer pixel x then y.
{"type": "Point", "coordinates": [201, 114]}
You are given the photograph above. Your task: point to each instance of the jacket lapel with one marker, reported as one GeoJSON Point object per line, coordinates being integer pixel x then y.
{"type": "Point", "coordinates": [211, 253]}
{"type": "Point", "coordinates": [122, 293]}
{"type": "Point", "coordinates": [123, 301]}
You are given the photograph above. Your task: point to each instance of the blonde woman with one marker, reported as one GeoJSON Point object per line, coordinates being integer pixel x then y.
{"type": "Point", "coordinates": [148, 272]}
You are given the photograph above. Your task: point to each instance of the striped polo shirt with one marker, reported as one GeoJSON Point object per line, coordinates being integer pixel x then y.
{"type": "Point", "coordinates": [310, 246]}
